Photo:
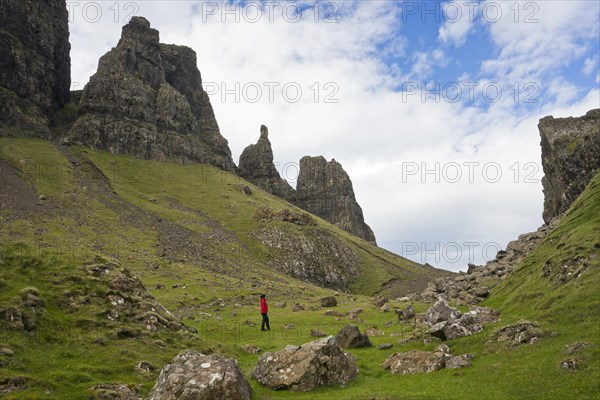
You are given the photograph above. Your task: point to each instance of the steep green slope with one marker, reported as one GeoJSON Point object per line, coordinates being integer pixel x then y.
{"type": "Point", "coordinates": [135, 211]}
{"type": "Point", "coordinates": [161, 214]}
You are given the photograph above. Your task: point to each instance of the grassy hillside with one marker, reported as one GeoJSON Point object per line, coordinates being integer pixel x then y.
{"type": "Point", "coordinates": [188, 232]}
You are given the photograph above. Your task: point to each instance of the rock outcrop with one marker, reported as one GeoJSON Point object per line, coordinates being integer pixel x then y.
{"type": "Point", "coordinates": [35, 65]}
{"type": "Point", "coordinates": [447, 323]}
{"type": "Point", "coordinates": [416, 361]}
{"type": "Point", "coordinates": [325, 189]}
{"type": "Point", "coordinates": [303, 368]}
{"type": "Point", "coordinates": [257, 166]}
{"type": "Point", "coordinates": [319, 258]}
{"type": "Point", "coordinates": [195, 376]}
{"type": "Point", "coordinates": [522, 332]}
{"type": "Point", "coordinates": [570, 158]}
{"type": "Point", "coordinates": [475, 285]}
{"type": "Point", "coordinates": [146, 100]}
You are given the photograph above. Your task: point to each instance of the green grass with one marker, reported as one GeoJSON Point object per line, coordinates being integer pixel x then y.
{"type": "Point", "coordinates": [40, 164]}
{"type": "Point", "coordinates": [73, 350]}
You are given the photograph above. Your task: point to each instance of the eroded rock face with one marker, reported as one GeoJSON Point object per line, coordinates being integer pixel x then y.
{"type": "Point", "coordinates": [256, 165]}
{"type": "Point", "coordinates": [319, 258]}
{"type": "Point", "coordinates": [35, 65]}
{"type": "Point", "coordinates": [303, 368]}
{"type": "Point", "coordinates": [128, 299]}
{"type": "Point", "coordinates": [570, 157]}
{"type": "Point", "coordinates": [325, 189]}
{"type": "Point", "coordinates": [195, 376]}
{"type": "Point", "coordinates": [146, 100]}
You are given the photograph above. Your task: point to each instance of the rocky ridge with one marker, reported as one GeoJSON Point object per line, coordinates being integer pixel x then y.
{"type": "Point", "coordinates": [570, 158]}
{"type": "Point", "coordinates": [35, 65]}
{"type": "Point", "coordinates": [146, 100]}
{"type": "Point", "coordinates": [323, 187]}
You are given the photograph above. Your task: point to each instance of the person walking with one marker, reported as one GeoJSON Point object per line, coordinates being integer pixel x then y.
{"type": "Point", "coordinates": [264, 309]}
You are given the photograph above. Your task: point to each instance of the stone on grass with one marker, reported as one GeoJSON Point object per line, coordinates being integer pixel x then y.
{"type": "Point", "coordinates": [350, 337]}
{"type": "Point", "coordinates": [329, 301]}
{"type": "Point", "coordinates": [414, 362]}
{"type": "Point", "coordinates": [303, 368]}
{"type": "Point", "coordinates": [195, 376]}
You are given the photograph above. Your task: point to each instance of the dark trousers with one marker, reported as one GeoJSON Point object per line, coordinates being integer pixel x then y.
{"type": "Point", "coordinates": [265, 322]}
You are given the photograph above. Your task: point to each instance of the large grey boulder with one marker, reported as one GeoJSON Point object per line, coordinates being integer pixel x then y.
{"type": "Point", "coordinates": [195, 376]}
{"type": "Point", "coordinates": [414, 362]}
{"type": "Point", "coordinates": [350, 337]}
{"type": "Point", "coordinates": [448, 323]}
{"type": "Point", "coordinates": [302, 368]}
{"type": "Point", "coordinates": [522, 332]}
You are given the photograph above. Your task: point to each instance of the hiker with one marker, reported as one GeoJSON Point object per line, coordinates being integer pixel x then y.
{"type": "Point", "coordinates": [264, 309]}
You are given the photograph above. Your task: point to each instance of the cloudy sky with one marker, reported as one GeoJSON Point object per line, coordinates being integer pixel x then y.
{"type": "Point", "coordinates": [431, 107]}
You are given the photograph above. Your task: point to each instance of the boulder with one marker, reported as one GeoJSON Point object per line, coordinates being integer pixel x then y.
{"type": "Point", "coordinates": [448, 323]}
{"type": "Point", "coordinates": [333, 313]}
{"type": "Point", "coordinates": [373, 331]}
{"type": "Point", "coordinates": [441, 312]}
{"type": "Point", "coordinates": [303, 368]}
{"type": "Point", "coordinates": [414, 362]}
{"type": "Point", "coordinates": [116, 391]}
{"type": "Point", "coordinates": [380, 301]}
{"type": "Point", "coordinates": [406, 313]}
{"type": "Point", "coordinates": [317, 333]}
{"type": "Point", "coordinates": [329, 301]}
{"type": "Point", "coordinates": [523, 332]}
{"type": "Point", "coordinates": [251, 349]}
{"type": "Point", "coordinates": [350, 337]}
{"type": "Point", "coordinates": [457, 362]}
{"type": "Point", "coordinates": [355, 311]}
{"type": "Point", "coordinates": [195, 376]}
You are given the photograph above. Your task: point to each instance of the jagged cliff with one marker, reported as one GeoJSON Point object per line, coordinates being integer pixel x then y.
{"type": "Point", "coordinates": [146, 99]}
{"type": "Point", "coordinates": [323, 188]}
{"type": "Point", "coordinates": [35, 65]}
{"type": "Point", "coordinates": [570, 157]}
{"type": "Point", "coordinates": [256, 165]}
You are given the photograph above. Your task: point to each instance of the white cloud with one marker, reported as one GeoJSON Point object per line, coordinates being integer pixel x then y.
{"type": "Point", "coordinates": [537, 37]}
{"type": "Point", "coordinates": [589, 66]}
{"type": "Point", "coordinates": [372, 129]}
{"type": "Point", "coordinates": [459, 22]}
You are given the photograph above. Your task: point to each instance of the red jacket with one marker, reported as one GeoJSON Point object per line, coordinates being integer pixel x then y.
{"type": "Point", "coordinates": [264, 308]}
